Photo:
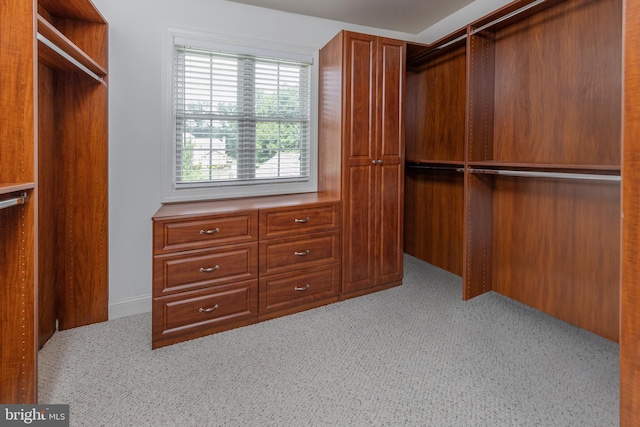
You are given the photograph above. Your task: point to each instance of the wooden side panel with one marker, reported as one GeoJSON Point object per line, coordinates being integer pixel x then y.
{"type": "Point", "coordinates": [630, 293]}
{"type": "Point", "coordinates": [556, 247]}
{"type": "Point", "coordinates": [480, 96]}
{"type": "Point", "coordinates": [18, 259]}
{"type": "Point", "coordinates": [330, 116]}
{"type": "Point", "coordinates": [559, 99]}
{"type": "Point", "coordinates": [434, 217]}
{"type": "Point", "coordinates": [478, 232]}
{"type": "Point", "coordinates": [435, 109]}
{"type": "Point", "coordinates": [358, 242]}
{"type": "Point", "coordinates": [391, 56]}
{"type": "Point", "coordinates": [52, 207]}
{"type": "Point", "coordinates": [82, 285]}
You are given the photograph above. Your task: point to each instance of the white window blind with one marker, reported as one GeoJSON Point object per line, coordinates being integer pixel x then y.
{"type": "Point", "coordinates": [239, 118]}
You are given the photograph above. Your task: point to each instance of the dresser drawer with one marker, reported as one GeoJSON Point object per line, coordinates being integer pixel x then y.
{"type": "Point", "coordinates": [282, 255]}
{"type": "Point", "coordinates": [196, 313]}
{"type": "Point", "coordinates": [279, 222]}
{"type": "Point", "coordinates": [180, 272]}
{"type": "Point", "coordinates": [286, 291]}
{"type": "Point", "coordinates": [183, 234]}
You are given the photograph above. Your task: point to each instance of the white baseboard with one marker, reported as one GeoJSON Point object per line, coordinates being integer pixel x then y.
{"type": "Point", "coordinates": [129, 306]}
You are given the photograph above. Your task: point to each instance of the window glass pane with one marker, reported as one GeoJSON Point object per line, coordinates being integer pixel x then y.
{"type": "Point", "coordinates": [239, 118]}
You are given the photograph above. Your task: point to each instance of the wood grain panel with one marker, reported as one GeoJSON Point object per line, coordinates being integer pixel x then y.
{"type": "Point", "coordinates": [330, 116]}
{"type": "Point", "coordinates": [291, 253]}
{"type": "Point", "coordinates": [360, 120]}
{"type": "Point", "coordinates": [435, 111]}
{"type": "Point", "coordinates": [480, 96]}
{"type": "Point", "coordinates": [559, 99]}
{"type": "Point", "coordinates": [358, 229]}
{"type": "Point", "coordinates": [556, 247]}
{"type": "Point", "coordinates": [82, 134]}
{"type": "Point", "coordinates": [180, 318]}
{"type": "Point", "coordinates": [50, 203]}
{"type": "Point", "coordinates": [434, 217]}
{"type": "Point", "coordinates": [18, 224]}
{"type": "Point", "coordinates": [183, 271]}
{"type": "Point", "coordinates": [630, 292]}
{"type": "Point", "coordinates": [279, 222]}
{"type": "Point", "coordinates": [288, 293]}
{"type": "Point", "coordinates": [478, 232]}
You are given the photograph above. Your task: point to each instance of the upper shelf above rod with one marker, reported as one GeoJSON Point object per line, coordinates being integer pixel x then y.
{"type": "Point", "coordinates": [56, 50]}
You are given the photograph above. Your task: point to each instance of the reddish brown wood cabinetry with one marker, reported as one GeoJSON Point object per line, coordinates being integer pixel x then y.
{"type": "Point", "coordinates": [361, 143]}
{"type": "Point", "coordinates": [224, 264]}
{"type": "Point", "coordinates": [53, 162]}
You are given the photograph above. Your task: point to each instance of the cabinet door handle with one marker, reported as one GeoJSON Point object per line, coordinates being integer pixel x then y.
{"type": "Point", "coordinates": [305, 253]}
{"type": "Point", "coordinates": [209, 269]}
{"type": "Point", "coordinates": [374, 162]}
{"type": "Point", "coordinates": [301, 288]}
{"type": "Point", "coordinates": [214, 231]}
{"type": "Point", "coordinates": [301, 221]}
{"type": "Point", "coordinates": [208, 310]}
{"type": "Point", "coordinates": [380, 161]}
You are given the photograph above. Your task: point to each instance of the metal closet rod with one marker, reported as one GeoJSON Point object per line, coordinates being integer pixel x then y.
{"type": "Point", "coordinates": [13, 202]}
{"type": "Point", "coordinates": [507, 16]}
{"type": "Point", "coordinates": [477, 30]}
{"type": "Point", "coordinates": [68, 57]}
{"type": "Point", "coordinates": [541, 174]}
{"type": "Point", "coordinates": [436, 167]}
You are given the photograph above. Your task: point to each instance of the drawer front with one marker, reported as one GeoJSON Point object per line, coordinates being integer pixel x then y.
{"type": "Point", "coordinates": [177, 273]}
{"type": "Point", "coordinates": [280, 222]}
{"type": "Point", "coordinates": [282, 255]}
{"type": "Point", "coordinates": [200, 310]}
{"type": "Point", "coordinates": [283, 291]}
{"type": "Point", "coordinates": [204, 232]}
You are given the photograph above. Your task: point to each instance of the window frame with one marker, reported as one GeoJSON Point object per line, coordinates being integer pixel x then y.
{"type": "Point", "coordinates": [178, 193]}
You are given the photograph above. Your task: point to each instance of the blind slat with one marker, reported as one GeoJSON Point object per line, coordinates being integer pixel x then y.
{"type": "Point", "coordinates": [239, 119]}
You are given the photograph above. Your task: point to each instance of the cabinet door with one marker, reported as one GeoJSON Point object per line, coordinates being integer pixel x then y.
{"type": "Point", "coordinates": [358, 245]}
{"type": "Point", "coordinates": [390, 153]}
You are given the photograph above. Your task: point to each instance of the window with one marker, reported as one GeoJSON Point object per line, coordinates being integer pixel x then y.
{"type": "Point", "coordinates": [242, 117]}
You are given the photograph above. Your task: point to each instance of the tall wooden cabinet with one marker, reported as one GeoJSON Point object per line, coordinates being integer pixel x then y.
{"type": "Point", "coordinates": [361, 144]}
{"type": "Point", "coordinates": [53, 180]}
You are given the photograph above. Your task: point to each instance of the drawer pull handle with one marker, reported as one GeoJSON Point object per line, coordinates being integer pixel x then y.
{"type": "Point", "coordinates": [208, 310]}
{"type": "Point", "coordinates": [302, 221]}
{"type": "Point", "coordinates": [301, 288]}
{"type": "Point", "coordinates": [305, 253]}
{"type": "Point", "coordinates": [209, 270]}
{"type": "Point", "coordinates": [214, 231]}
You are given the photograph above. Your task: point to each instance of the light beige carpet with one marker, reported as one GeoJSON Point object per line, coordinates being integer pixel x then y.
{"type": "Point", "coordinates": [416, 355]}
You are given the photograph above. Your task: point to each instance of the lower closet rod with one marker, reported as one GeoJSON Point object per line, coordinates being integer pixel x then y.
{"type": "Point", "coordinates": [539, 174]}
{"type": "Point", "coordinates": [13, 202]}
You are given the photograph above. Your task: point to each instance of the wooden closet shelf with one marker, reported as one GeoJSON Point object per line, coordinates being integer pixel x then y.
{"type": "Point", "coordinates": [548, 167]}
{"type": "Point", "coordinates": [57, 51]}
{"type": "Point", "coordinates": [12, 187]}
{"type": "Point", "coordinates": [74, 9]}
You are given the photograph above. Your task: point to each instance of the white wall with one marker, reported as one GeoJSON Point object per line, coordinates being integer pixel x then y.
{"type": "Point", "coordinates": [135, 88]}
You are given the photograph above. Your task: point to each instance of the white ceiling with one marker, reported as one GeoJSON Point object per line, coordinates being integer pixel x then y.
{"type": "Point", "coordinates": [408, 16]}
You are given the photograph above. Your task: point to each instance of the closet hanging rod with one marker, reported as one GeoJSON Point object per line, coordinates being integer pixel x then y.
{"type": "Point", "coordinates": [435, 50]}
{"type": "Point", "coordinates": [68, 57]}
{"type": "Point", "coordinates": [13, 202]}
{"type": "Point", "coordinates": [507, 16]}
{"type": "Point", "coordinates": [540, 174]}
{"type": "Point", "coordinates": [453, 168]}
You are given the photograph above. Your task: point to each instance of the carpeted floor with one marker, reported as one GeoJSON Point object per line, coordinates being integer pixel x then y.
{"type": "Point", "coordinates": [416, 355]}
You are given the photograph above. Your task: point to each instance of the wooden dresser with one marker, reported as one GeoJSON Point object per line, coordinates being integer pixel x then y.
{"type": "Point", "coordinates": [224, 264]}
